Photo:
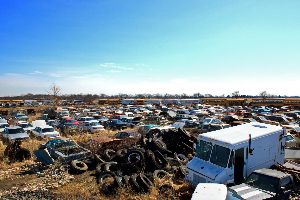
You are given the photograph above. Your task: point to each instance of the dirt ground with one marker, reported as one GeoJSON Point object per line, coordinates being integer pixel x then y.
{"type": "Point", "coordinates": [31, 180]}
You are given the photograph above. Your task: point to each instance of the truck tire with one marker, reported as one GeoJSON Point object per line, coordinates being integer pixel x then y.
{"type": "Point", "coordinates": [78, 166]}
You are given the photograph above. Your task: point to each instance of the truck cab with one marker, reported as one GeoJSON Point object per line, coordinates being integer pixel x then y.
{"type": "Point", "coordinates": [230, 155]}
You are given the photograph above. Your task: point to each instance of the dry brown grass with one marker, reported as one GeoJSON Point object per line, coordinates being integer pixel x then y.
{"type": "Point", "coordinates": [87, 189]}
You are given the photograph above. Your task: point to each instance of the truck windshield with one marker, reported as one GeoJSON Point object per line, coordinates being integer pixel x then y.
{"type": "Point", "coordinates": [263, 182]}
{"type": "Point", "coordinates": [220, 155]}
{"type": "Point", "coordinates": [203, 150]}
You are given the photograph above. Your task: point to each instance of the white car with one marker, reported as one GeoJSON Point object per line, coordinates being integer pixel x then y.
{"type": "Point", "coordinates": [83, 120]}
{"type": "Point", "coordinates": [45, 131]}
{"type": "Point", "coordinates": [14, 133]}
{"type": "Point", "coordinates": [25, 125]}
{"type": "Point", "coordinates": [92, 126]}
{"type": "Point", "coordinates": [211, 121]}
{"type": "Point", "coordinates": [3, 125]}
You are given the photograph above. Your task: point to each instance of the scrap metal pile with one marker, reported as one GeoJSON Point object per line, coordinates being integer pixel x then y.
{"type": "Point", "coordinates": [159, 154]}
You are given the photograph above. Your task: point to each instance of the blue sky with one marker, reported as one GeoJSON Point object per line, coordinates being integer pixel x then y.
{"type": "Point", "coordinates": [134, 46]}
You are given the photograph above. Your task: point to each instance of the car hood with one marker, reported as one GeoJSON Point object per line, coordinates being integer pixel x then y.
{"type": "Point", "coordinates": [205, 168]}
{"type": "Point", "coordinates": [250, 193]}
{"type": "Point", "coordinates": [18, 136]}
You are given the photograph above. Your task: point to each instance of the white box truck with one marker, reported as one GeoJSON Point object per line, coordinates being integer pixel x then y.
{"type": "Point", "coordinates": [230, 155]}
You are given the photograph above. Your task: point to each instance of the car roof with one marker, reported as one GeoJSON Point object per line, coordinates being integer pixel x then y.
{"type": "Point", "coordinates": [271, 172]}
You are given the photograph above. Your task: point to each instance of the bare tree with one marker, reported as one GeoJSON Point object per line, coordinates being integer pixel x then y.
{"type": "Point", "coordinates": [263, 94]}
{"type": "Point", "coordinates": [54, 91]}
{"type": "Point", "coordinates": [235, 94]}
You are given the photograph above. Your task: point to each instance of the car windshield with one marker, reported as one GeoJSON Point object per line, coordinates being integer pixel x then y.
{"type": "Point", "coordinates": [289, 138]}
{"type": "Point", "coordinates": [16, 131]}
{"type": "Point", "coordinates": [263, 182]}
{"type": "Point", "coordinates": [203, 150]}
{"type": "Point", "coordinates": [206, 121]}
{"type": "Point", "coordinates": [95, 123]}
{"type": "Point", "coordinates": [46, 130]}
{"type": "Point", "coordinates": [3, 125]}
{"type": "Point", "coordinates": [61, 143]}
{"type": "Point", "coordinates": [23, 125]}
{"type": "Point", "coordinates": [219, 155]}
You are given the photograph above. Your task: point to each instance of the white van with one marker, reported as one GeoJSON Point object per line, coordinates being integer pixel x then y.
{"type": "Point", "coordinates": [230, 155]}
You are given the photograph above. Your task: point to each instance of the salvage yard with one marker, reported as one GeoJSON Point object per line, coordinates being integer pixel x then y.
{"type": "Point", "coordinates": [134, 151]}
{"type": "Point", "coordinates": [30, 179]}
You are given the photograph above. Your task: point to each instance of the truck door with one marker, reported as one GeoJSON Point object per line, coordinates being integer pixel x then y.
{"type": "Point", "coordinates": [239, 166]}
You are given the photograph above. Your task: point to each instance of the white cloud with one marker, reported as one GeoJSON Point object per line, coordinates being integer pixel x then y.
{"type": "Point", "coordinates": [114, 66]}
{"type": "Point", "coordinates": [79, 82]}
{"type": "Point", "coordinates": [35, 72]}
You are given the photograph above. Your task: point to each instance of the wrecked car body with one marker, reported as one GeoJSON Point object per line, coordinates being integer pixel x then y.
{"type": "Point", "coordinates": [63, 150]}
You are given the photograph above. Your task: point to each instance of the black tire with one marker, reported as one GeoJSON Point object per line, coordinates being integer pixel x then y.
{"type": "Point", "coordinates": [135, 184]}
{"type": "Point", "coordinates": [109, 154]}
{"type": "Point", "coordinates": [112, 167]}
{"type": "Point", "coordinates": [125, 180]}
{"type": "Point", "coordinates": [121, 153]}
{"type": "Point", "coordinates": [160, 174]}
{"type": "Point", "coordinates": [144, 182]}
{"type": "Point", "coordinates": [78, 166]}
{"type": "Point", "coordinates": [136, 158]}
{"type": "Point", "coordinates": [158, 144]}
{"type": "Point", "coordinates": [181, 172]}
{"type": "Point", "coordinates": [152, 162]}
{"type": "Point", "coordinates": [161, 159]}
{"type": "Point", "coordinates": [98, 159]}
{"type": "Point", "coordinates": [181, 158]}
{"type": "Point", "coordinates": [100, 167]}
{"type": "Point", "coordinates": [109, 186]}
{"type": "Point", "coordinates": [173, 161]}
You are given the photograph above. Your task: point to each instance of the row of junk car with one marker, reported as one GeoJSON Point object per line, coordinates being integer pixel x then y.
{"type": "Point", "coordinates": [223, 152]}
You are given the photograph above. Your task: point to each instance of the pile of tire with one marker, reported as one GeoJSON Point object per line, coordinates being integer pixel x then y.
{"type": "Point", "coordinates": [137, 167]}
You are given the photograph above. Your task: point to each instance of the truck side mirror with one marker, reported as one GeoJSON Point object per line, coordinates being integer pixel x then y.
{"type": "Point", "coordinates": [251, 151]}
